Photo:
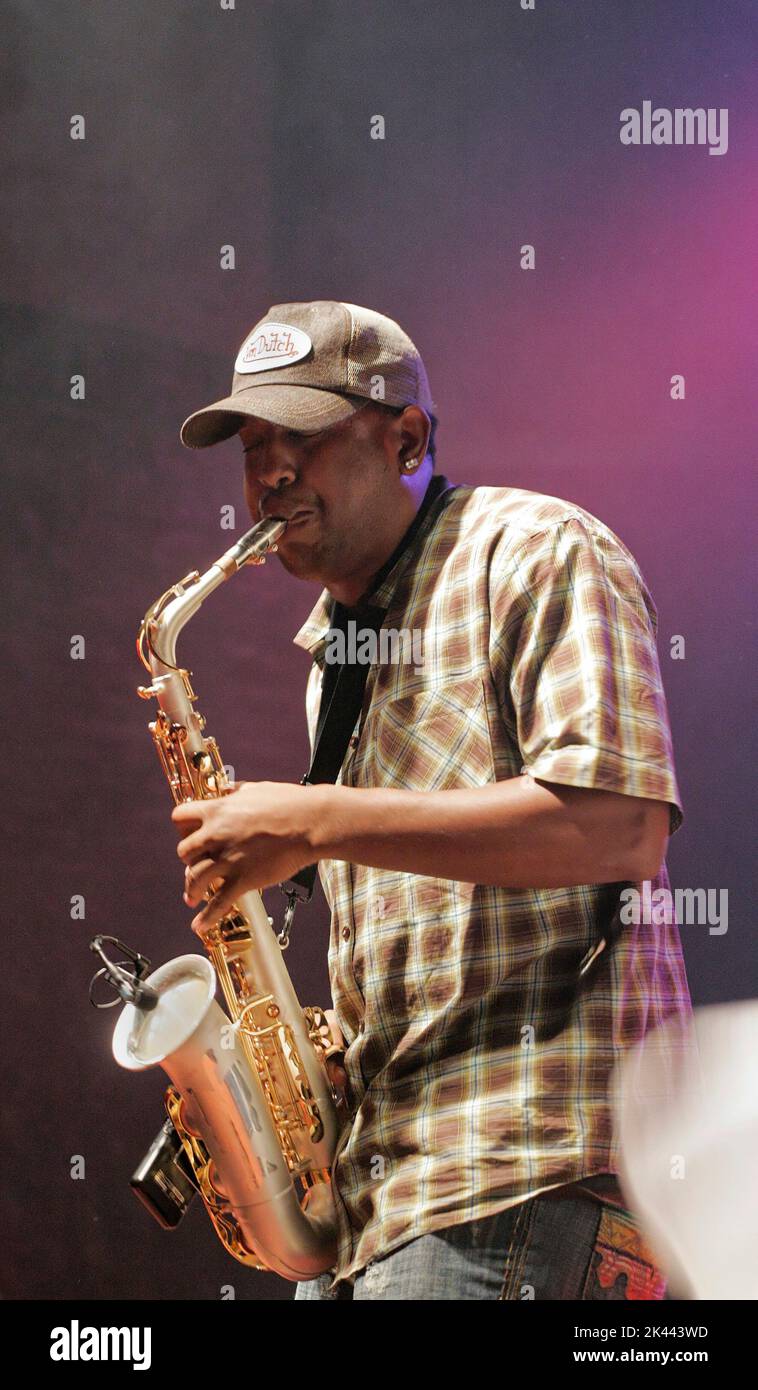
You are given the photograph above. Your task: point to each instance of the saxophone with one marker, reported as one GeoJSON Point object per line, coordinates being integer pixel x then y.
{"type": "Point", "coordinates": [250, 1099]}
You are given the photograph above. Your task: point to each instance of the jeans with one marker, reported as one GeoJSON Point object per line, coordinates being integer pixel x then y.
{"type": "Point", "coordinates": [567, 1246]}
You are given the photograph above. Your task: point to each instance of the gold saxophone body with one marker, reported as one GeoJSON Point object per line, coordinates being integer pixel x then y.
{"type": "Point", "coordinates": [250, 1099]}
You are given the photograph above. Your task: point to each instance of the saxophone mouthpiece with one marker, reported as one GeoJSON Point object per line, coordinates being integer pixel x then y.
{"type": "Point", "coordinates": [252, 547]}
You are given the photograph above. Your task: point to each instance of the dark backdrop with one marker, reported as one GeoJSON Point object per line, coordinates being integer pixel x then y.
{"type": "Point", "coordinates": [251, 127]}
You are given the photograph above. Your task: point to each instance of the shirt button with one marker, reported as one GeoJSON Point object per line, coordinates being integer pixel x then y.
{"type": "Point", "coordinates": [345, 933]}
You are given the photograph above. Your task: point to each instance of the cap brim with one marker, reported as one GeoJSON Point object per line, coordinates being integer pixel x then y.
{"type": "Point", "coordinates": [305, 408]}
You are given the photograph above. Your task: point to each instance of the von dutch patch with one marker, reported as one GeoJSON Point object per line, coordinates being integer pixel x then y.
{"type": "Point", "coordinates": [273, 345]}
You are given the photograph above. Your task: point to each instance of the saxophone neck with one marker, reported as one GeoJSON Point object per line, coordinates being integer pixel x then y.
{"type": "Point", "coordinates": [192, 762]}
{"type": "Point", "coordinates": [163, 622]}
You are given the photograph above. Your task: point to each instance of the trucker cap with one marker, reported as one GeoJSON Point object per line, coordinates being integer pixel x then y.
{"type": "Point", "coordinates": [308, 366]}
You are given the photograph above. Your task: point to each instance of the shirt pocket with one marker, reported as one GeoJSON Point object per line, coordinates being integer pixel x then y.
{"type": "Point", "coordinates": [435, 739]}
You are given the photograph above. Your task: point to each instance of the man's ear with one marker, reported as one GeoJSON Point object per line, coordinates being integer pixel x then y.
{"type": "Point", "coordinates": [414, 431]}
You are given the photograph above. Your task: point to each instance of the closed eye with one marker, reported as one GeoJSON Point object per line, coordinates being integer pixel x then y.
{"type": "Point", "coordinates": [295, 435]}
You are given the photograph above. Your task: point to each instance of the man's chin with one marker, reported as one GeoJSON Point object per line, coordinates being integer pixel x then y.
{"type": "Point", "coordinates": [300, 561]}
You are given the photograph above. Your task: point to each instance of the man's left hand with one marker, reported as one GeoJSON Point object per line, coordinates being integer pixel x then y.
{"type": "Point", "coordinates": [257, 835]}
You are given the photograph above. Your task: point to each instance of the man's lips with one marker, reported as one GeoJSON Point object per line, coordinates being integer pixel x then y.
{"type": "Point", "coordinates": [293, 519]}
{"type": "Point", "coordinates": [282, 512]}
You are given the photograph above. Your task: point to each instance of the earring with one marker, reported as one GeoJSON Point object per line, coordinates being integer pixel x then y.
{"type": "Point", "coordinates": [410, 464]}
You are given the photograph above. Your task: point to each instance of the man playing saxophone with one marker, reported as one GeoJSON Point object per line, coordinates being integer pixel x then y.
{"type": "Point", "coordinates": [493, 801]}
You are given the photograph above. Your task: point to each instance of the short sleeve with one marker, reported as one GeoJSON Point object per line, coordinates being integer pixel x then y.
{"type": "Point", "coordinates": [574, 660]}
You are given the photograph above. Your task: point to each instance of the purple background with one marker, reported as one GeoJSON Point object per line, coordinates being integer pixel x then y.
{"type": "Point", "coordinates": [251, 127]}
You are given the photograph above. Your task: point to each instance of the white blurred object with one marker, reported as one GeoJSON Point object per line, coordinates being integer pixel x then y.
{"type": "Point", "coordinates": [686, 1112]}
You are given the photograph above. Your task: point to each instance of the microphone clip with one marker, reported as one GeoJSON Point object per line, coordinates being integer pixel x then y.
{"type": "Point", "coordinates": [125, 976]}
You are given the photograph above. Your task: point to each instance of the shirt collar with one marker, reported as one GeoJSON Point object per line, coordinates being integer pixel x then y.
{"type": "Point", "coordinates": [313, 633]}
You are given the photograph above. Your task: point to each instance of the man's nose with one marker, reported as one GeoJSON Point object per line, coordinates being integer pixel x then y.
{"type": "Point", "coordinates": [274, 465]}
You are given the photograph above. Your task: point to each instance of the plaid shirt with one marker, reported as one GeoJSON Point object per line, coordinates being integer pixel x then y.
{"type": "Point", "coordinates": [477, 1071]}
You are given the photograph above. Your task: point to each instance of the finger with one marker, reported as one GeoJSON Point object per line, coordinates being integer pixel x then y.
{"type": "Point", "coordinates": [190, 817]}
{"type": "Point", "coordinates": [188, 811]}
{"type": "Point", "coordinates": [334, 1028]}
{"type": "Point", "coordinates": [220, 905]}
{"type": "Point", "coordinates": [198, 878]}
{"type": "Point", "coordinates": [201, 844]}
